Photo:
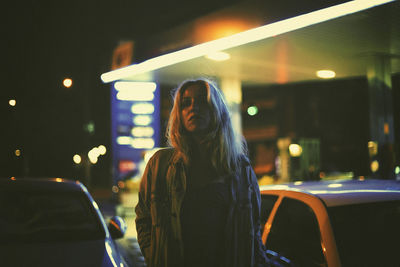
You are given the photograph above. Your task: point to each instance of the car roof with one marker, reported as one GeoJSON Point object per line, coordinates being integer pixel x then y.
{"type": "Point", "coordinates": [342, 192]}
{"type": "Point", "coordinates": [41, 184]}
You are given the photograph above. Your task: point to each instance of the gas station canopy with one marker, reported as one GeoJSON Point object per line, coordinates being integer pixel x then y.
{"type": "Point", "coordinates": [341, 38]}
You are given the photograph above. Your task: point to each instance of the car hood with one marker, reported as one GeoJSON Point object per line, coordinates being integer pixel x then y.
{"type": "Point", "coordinates": [83, 253]}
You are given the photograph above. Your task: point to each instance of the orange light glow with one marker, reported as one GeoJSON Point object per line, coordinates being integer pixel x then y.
{"type": "Point", "coordinates": [121, 184]}
{"type": "Point", "coordinates": [281, 62]}
{"type": "Point", "coordinates": [386, 128]}
{"type": "Point", "coordinates": [13, 178]}
{"type": "Point", "coordinates": [115, 189]}
{"type": "Point", "coordinates": [116, 225]}
{"type": "Point", "coordinates": [212, 29]}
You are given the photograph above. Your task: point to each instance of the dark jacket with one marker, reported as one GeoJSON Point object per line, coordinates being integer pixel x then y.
{"type": "Point", "coordinates": [158, 225]}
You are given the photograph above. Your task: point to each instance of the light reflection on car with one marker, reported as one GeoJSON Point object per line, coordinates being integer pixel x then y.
{"type": "Point", "coordinates": [332, 223]}
{"type": "Point", "coordinates": [55, 222]}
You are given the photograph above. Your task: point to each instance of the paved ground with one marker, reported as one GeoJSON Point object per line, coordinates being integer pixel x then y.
{"type": "Point", "coordinates": [132, 254]}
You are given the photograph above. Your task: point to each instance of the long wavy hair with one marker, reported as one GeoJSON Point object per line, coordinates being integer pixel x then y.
{"type": "Point", "coordinates": [221, 140]}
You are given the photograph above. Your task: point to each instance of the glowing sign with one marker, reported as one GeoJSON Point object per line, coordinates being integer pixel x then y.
{"type": "Point", "coordinates": [142, 131]}
{"type": "Point", "coordinates": [135, 125]}
{"type": "Point", "coordinates": [142, 108]}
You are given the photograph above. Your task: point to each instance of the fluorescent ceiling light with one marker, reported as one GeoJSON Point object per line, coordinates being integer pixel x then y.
{"type": "Point", "coordinates": [218, 56]}
{"type": "Point", "coordinates": [241, 38]}
{"type": "Point", "coordinates": [326, 74]}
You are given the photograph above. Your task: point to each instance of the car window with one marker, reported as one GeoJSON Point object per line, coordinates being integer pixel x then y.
{"type": "Point", "coordinates": [295, 234]}
{"type": "Point", "coordinates": [42, 216]}
{"type": "Point", "coordinates": [267, 203]}
{"type": "Point", "coordinates": [367, 234]}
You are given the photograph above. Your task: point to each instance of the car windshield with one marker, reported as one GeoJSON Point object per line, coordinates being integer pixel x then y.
{"type": "Point", "coordinates": [367, 234]}
{"type": "Point", "coordinates": [43, 216]}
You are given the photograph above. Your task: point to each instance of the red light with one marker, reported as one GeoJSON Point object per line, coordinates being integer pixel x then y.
{"type": "Point", "coordinates": [126, 165]}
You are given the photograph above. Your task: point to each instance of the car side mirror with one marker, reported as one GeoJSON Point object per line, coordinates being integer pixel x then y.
{"type": "Point", "coordinates": [117, 227]}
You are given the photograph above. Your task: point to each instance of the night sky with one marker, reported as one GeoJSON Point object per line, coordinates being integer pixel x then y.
{"type": "Point", "coordinates": [44, 42]}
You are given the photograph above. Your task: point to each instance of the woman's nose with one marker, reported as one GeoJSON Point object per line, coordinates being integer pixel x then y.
{"type": "Point", "coordinates": [195, 105]}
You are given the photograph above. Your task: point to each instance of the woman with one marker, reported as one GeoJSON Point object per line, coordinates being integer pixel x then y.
{"type": "Point", "coordinates": [199, 201]}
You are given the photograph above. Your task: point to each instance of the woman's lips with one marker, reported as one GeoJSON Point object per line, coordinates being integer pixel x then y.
{"type": "Point", "coordinates": [194, 117]}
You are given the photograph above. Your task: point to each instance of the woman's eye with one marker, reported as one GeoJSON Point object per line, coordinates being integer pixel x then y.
{"type": "Point", "coordinates": [186, 103]}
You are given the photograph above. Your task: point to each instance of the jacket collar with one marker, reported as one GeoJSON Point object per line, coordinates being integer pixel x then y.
{"type": "Point", "coordinates": [177, 158]}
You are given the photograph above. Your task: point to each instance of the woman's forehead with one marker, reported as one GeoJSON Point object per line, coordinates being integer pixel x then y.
{"type": "Point", "coordinates": [194, 90]}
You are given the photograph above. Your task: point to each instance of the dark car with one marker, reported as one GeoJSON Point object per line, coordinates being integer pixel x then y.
{"type": "Point", "coordinates": [332, 223]}
{"type": "Point", "coordinates": [55, 222]}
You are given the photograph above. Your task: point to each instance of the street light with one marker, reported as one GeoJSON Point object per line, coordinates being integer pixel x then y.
{"type": "Point", "coordinates": [12, 102]}
{"type": "Point", "coordinates": [67, 82]}
{"type": "Point", "coordinates": [77, 159]}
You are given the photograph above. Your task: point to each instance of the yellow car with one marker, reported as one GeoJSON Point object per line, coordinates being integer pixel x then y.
{"type": "Point", "coordinates": [332, 223]}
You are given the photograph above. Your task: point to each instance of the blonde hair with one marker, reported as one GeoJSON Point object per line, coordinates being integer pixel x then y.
{"type": "Point", "coordinates": [220, 141]}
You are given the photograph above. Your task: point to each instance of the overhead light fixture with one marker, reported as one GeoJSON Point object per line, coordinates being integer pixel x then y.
{"type": "Point", "coordinates": [241, 38]}
{"type": "Point", "coordinates": [218, 56]}
{"type": "Point", "coordinates": [325, 74]}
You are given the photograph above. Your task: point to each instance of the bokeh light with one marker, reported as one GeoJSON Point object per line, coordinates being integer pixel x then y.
{"type": "Point", "coordinates": [67, 82]}
{"type": "Point", "coordinates": [295, 150]}
{"type": "Point", "coordinates": [102, 149]}
{"type": "Point", "coordinates": [77, 159]}
{"type": "Point", "coordinates": [12, 102]}
{"type": "Point", "coordinates": [252, 110]}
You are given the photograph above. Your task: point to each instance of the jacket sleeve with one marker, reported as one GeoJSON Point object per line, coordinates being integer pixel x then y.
{"type": "Point", "coordinates": [259, 248]}
{"type": "Point", "coordinates": [143, 211]}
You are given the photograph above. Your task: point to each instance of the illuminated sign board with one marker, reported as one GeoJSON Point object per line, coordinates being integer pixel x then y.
{"type": "Point", "coordinates": [135, 125]}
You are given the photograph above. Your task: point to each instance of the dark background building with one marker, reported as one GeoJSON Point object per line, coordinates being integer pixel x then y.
{"type": "Point", "coordinates": [46, 42]}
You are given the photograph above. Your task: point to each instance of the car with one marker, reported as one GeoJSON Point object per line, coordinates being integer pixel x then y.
{"type": "Point", "coordinates": [55, 222]}
{"type": "Point", "coordinates": [353, 222]}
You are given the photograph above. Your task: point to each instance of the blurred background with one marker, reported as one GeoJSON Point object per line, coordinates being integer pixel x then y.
{"type": "Point", "coordinates": [316, 100]}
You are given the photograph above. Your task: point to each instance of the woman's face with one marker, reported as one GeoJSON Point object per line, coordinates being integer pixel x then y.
{"type": "Point", "coordinates": [196, 113]}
